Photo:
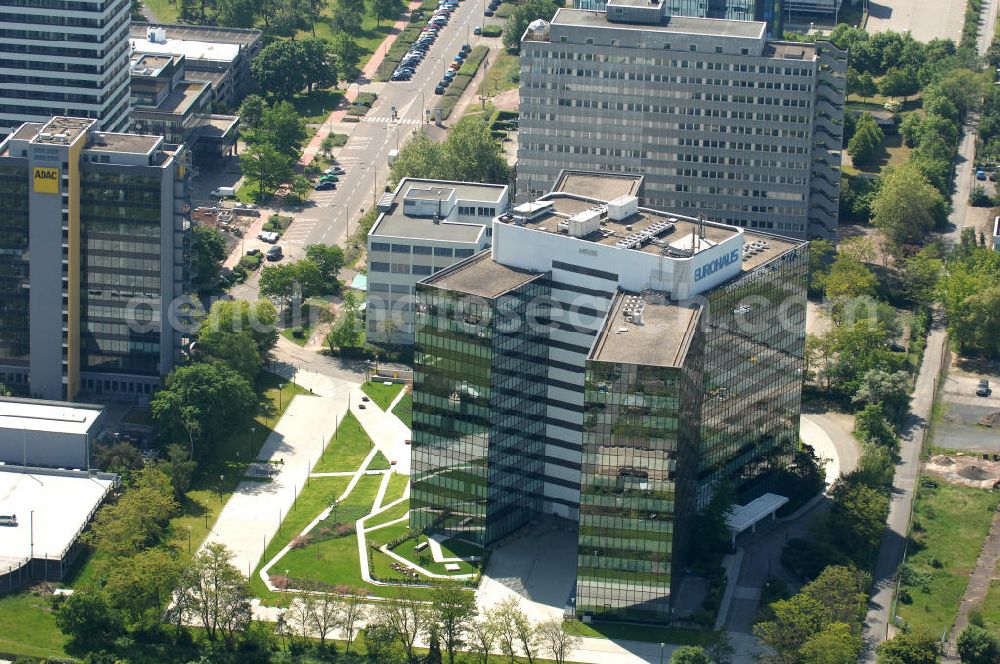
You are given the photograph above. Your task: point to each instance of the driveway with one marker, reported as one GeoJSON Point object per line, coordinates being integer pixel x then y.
{"type": "Point", "coordinates": [961, 409]}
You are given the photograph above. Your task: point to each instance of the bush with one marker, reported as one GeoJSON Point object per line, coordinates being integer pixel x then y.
{"type": "Point", "coordinates": [298, 332]}
{"type": "Point", "coordinates": [979, 197]}
{"type": "Point", "coordinates": [492, 31]}
{"type": "Point", "coordinates": [250, 262]}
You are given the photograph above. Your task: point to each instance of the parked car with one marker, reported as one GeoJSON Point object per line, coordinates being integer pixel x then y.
{"type": "Point", "coordinates": [450, 74]}
{"type": "Point", "coordinates": [983, 389]}
{"type": "Point", "coordinates": [444, 82]}
{"type": "Point", "coordinates": [465, 49]}
{"type": "Point", "coordinates": [253, 252]}
{"type": "Point", "coordinates": [329, 178]}
{"type": "Point", "coordinates": [488, 12]}
{"type": "Point", "coordinates": [335, 170]}
{"type": "Point", "coordinates": [980, 174]}
{"type": "Point", "coordinates": [274, 253]}
{"type": "Point", "coordinates": [325, 186]}
{"type": "Point", "coordinates": [439, 90]}
{"type": "Point", "coordinates": [478, 30]}
{"type": "Point", "coordinates": [268, 237]}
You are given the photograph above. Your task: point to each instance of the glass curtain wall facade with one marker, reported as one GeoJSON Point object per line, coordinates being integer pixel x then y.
{"type": "Point", "coordinates": [478, 413]}
{"type": "Point", "coordinates": [754, 349]}
{"type": "Point", "coordinates": [14, 294]}
{"type": "Point", "coordinates": [121, 246]}
{"type": "Point", "coordinates": [636, 485]}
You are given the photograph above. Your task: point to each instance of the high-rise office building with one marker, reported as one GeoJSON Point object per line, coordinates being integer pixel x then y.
{"type": "Point", "coordinates": [612, 365]}
{"type": "Point", "coordinates": [91, 259]}
{"type": "Point", "coordinates": [422, 227]}
{"type": "Point", "coordinates": [719, 120]}
{"type": "Point", "coordinates": [64, 57]}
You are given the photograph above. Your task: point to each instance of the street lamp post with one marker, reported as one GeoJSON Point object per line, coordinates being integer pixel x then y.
{"type": "Point", "coordinates": [253, 430]}
{"type": "Point", "coordinates": [281, 386]}
{"type": "Point", "coordinates": [661, 653]}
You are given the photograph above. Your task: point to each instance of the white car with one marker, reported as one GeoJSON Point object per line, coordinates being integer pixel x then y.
{"type": "Point", "coordinates": [334, 170]}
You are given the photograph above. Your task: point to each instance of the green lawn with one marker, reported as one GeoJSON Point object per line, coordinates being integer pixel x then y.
{"type": "Point", "coordinates": [635, 632]}
{"type": "Point", "coordinates": [316, 107]}
{"type": "Point", "coordinates": [504, 74]}
{"type": "Point", "coordinates": [368, 38]}
{"type": "Point", "coordinates": [391, 514]}
{"type": "Point", "coordinates": [347, 448]}
{"type": "Point", "coordinates": [164, 11]}
{"type": "Point", "coordinates": [382, 394]}
{"type": "Point", "coordinates": [423, 558]}
{"type": "Point", "coordinates": [28, 626]}
{"type": "Point", "coordinates": [949, 525]}
{"type": "Point", "coordinates": [404, 410]}
{"type": "Point", "coordinates": [397, 485]}
{"type": "Point", "coordinates": [991, 605]}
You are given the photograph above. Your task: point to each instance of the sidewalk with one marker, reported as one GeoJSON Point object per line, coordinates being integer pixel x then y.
{"type": "Point", "coordinates": [366, 76]}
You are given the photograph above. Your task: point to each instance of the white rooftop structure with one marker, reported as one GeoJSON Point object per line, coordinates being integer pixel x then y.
{"type": "Point", "coordinates": [192, 49]}
{"type": "Point", "coordinates": [52, 508]}
{"type": "Point", "coordinates": [52, 417]}
{"type": "Point", "coordinates": [749, 515]}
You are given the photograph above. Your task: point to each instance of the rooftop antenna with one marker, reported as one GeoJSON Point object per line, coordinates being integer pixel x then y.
{"type": "Point", "coordinates": [701, 225]}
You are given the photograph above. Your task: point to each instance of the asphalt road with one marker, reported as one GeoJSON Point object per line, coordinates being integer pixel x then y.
{"type": "Point", "coordinates": [365, 156]}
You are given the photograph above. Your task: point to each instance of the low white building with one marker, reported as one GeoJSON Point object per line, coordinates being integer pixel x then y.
{"type": "Point", "coordinates": [52, 434]}
{"type": "Point", "coordinates": [423, 227]}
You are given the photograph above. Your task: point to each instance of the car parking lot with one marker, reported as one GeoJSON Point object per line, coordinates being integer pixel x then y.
{"type": "Point", "coordinates": [419, 49]}
{"type": "Point", "coordinates": [965, 402]}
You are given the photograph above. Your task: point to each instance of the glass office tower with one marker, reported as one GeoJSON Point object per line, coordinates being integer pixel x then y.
{"type": "Point", "coordinates": [478, 408]}
{"type": "Point", "coordinates": [15, 335]}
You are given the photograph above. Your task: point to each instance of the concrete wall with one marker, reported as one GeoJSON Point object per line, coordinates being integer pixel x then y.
{"type": "Point", "coordinates": [42, 448]}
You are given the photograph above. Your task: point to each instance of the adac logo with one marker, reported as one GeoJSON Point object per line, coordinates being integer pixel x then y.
{"type": "Point", "coordinates": [46, 180]}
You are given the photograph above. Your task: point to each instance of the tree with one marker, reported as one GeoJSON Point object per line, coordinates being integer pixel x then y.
{"type": "Point", "coordinates": [252, 114]}
{"type": "Point", "coordinates": [453, 608]}
{"type": "Point", "coordinates": [890, 389]}
{"type": "Point", "coordinates": [87, 619]}
{"type": "Point", "coordinates": [821, 255]}
{"type": "Point", "coordinates": [977, 327]}
{"type": "Point", "coordinates": [179, 467]}
{"type": "Point", "coordinates": [970, 286]}
{"type": "Point", "coordinates": [842, 591]}
{"type": "Point", "coordinates": [139, 518]}
{"type": "Point", "coordinates": [277, 283]}
{"type": "Point", "coordinates": [523, 14]}
{"type": "Point", "coordinates": [865, 85]}
{"type": "Point", "coordinates": [483, 635]}
{"type": "Point", "coordinates": [873, 427]}
{"type": "Point", "coordinates": [407, 618]}
{"type": "Point", "coordinates": [214, 593]}
{"type": "Point", "coordinates": [502, 618]}
{"type": "Point", "coordinates": [433, 655]}
{"type": "Point", "coordinates": [5, 391]}
{"type": "Point", "coordinates": [837, 643]}
{"type": "Point", "coordinates": [329, 260]}
{"type": "Point", "coordinates": [720, 648]}
{"type": "Point", "coordinates": [280, 69]}
{"type": "Point", "coordinates": [326, 611]}
{"type": "Point", "coordinates": [348, 15]}
{"type": "Point", "coordinates": [907, 206]}
{"type": "Point", "coordinates": [346, 332]}
{"type": "Point", "coordinates": [471, 151]}
{"type": "Point", "coordinates": [346, 52]}
{"type": "Point", "coordinates": [121, 457]}
{"type": "Point", "coordinates": [383, 10]}
{"type": "Point", "coordinates": [321, 68]}
{"type": "Point", "coordinates": [866, 143]}
{"type": "Point", "coordinates": [239, 333]}
{"type": "Point", "coordinates": [899, 82]}
{"type": "Point", "coordinates": [690, 655]}
{"type": "Point", "coordinates": [556, 641]}
{"type": "Point", "coordinates": [281, 127]}
{"type": "Point", "coordinates": [202, 401]}
{"type": "Point", "coordinates": [379, 638]}
{"type": "Point", "coordinates": [263, 163]}
{"type": "Point", "coordinates": [977, 646]}
{"type": "Point", "coordinates": [208, 250]}
{"type": "Point", "coordinates": [858, 517]}
{"type": "Point", "coordinates": [849, 278]}
{"type": "Point", "coordinates": [300, 613]}
{"type": "Point", "coordinates": [355, 612]}
{"type": "Point", "coordinates": [235, 14]}
{"type": "Point", "coordinates": [138, 587]}
{"type": "Point", "coordinates": [916, 647]}
{"type": "Point", "coordinates": [795, 621]}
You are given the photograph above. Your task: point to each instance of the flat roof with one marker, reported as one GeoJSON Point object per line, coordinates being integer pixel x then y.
{"type": "Point", "coordinates": [481, 275]}
{"type": "Point", "coordinates": [182, 97]}
{"type": "Point", "coordinates": [745, 516]}
{"type": "Point", "coordinates": [593, 184]}
{"type": "Point", "coordinates": [661, 339]}
{"type": "Point", "coordinates": [51, 416]}
{"type": "Point", "coordinates": [395, 223]}
{"type": "Point", "coordinates": [137, 30]}
{"type": "Point", "coordinates": [62, 503]}
{"type": "Point", "coordinates": [189, 48]}
{"type": "Point", "coordinates": [155, 63]}
{"type": "Point", "coordinates": [131, 143]}
{"type": "Point", "coordinates": [62, 130]}
{"type": "Point", "coordinates": [712, 27]}
{"type": "Point", "coordinates": [27, 131]}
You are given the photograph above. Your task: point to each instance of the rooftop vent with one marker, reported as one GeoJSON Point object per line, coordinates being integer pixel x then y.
{"type": "Point", "coordinates": [156, 35]}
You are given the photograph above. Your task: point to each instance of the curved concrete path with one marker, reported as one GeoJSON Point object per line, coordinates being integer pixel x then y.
{"type": "Point", "coordinates": [832, 442]}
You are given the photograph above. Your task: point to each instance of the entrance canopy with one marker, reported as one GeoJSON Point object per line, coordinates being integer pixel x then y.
{"type": "Point", "coordinates": [749, 515]}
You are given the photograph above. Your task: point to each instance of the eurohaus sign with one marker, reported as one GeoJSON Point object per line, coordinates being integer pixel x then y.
{"type": "Point", "coordinates": [719, 263]}
{"type": "Point", "coordinates": [45, 179]}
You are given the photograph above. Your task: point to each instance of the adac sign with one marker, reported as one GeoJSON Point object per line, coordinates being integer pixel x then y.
{"type": "Point", "coordinates": [46, 180]}
{"type": "Point", "coordinates": [715, 265]}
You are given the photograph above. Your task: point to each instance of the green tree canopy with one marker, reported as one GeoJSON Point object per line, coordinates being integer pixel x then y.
{"type": "Point", "coordinates": [690, 655]}
{"type": "Point", "coordinates": [266, 165]}
{"type": "Point", "coordinates": [523, 14]}
{"type": "Point", "coordinates": [138, 519]}
{"type": "Point", "coordinates": [88, 621]}
{"type": "Point", "coordinates": [208, 250]}
{"type": "Point", "coordinates": [866, 143]}
{"type": "Point", "coordinates": [280, 68]}
{"type": "Point", "coordinates": [837, 643]}
{"type": "Point", "coordinates": [329, 260]}
{"type": "Point", "coordinates": [914, 647]}
{"type": "Point", "coordinates": [239, 334]}
{"type": "Point", "coordinates": [470, 153]}
{"type": "Point", "coordinates": [977, 646]}
{"type": "Point", "coordinates": [907, 206]}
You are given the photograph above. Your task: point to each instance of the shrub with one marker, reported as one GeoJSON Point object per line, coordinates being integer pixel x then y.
{"type": "Point", "coordinates": [492, 31]}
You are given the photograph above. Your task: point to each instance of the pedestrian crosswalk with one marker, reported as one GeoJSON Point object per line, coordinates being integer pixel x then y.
{"type": "Point", "coordinates": [386, 119]}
